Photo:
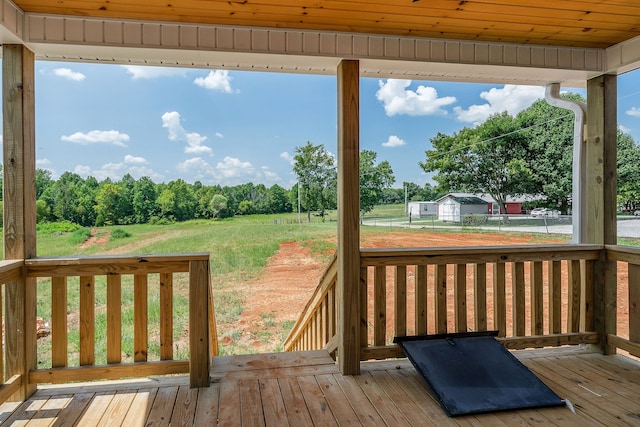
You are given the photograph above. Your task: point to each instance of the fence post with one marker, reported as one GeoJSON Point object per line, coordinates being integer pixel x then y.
{"type": "Point", "coordinates": [199, 363]}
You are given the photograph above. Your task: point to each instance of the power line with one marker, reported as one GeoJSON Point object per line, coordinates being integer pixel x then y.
{"type": "Point", "coordinates": [500, 136]}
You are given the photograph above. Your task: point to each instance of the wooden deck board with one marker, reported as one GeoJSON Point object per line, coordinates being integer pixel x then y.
{"type": "Point", "coordinates": [275, 413]}
{"type": "Point", "coordinates": [306, 388]}
{"type": "Point", "coordinates": [294, 403]}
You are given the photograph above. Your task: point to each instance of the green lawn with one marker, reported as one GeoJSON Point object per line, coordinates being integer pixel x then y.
{"type": "Point", "coordinates": [238, 248]}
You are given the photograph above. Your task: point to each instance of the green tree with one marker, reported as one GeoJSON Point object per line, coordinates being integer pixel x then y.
{"type": "Point", "coordinates": [42, 210]}
{"type": "Point", "coordinates": [549, 131]}
{"type": "Point", "coordinates": [218, 206]}
{"type": "Point", "coordinates": [488, 159]}
{"type": "Point", "coordinates": [246, 207]}
{"type": "Point", "coordinates": [110, 205]}
{"type": "Point", "coordinates": [278, 200]}
{"type": "Point", "coordinates": [63, 197]}
{"type": "Point", "coordinates": [144, 200]}
{"type": "Point", "coordinates": [628, 172]}
{"type": "Point", "coordinates": [167, 204]}
{"type": "Point", "coordinates": [184, 201]}
{"type": "Point", "coordinates": [373, 180]}
{"type": "Point", "coordinates": [43, 181]}
{"type": "Point", "coordinates": [316, 171]}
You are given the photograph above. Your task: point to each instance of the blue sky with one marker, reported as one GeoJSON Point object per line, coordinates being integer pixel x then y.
{"type": "Point", "coordinates": [232, 127]}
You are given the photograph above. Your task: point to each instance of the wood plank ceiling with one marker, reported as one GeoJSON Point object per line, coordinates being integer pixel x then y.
{"type": "Point", "coordinates": [580, 23]}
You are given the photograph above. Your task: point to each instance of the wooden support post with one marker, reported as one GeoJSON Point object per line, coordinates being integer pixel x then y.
{"type": "Point", "coordinates": [200, 360]}
{"type": "Point", "coordinates": [18, 128]}
{"type": "Point", "coordinates": [601, 197]}
{"type": "Point", "coordinates": [348, 217]}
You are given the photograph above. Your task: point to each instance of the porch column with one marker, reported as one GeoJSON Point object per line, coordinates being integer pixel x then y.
{"type": "Point", "coordinates": [348, 217]}
{"type": "Point", "coordinates": [601, 182]}
{"type": "Point", "coordinates": [19, 191]}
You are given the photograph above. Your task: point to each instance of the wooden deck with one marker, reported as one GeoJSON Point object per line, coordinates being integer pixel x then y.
{"type": "Point", "coordinates": [305, 389]}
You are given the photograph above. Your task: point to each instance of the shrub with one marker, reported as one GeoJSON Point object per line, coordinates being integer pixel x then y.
{"type": "Point", "coordinates": [57, 227]}
{"type": "Point", "coordinates": [119, 233]}
{"type": "Point", "coordinates": [79, 236]}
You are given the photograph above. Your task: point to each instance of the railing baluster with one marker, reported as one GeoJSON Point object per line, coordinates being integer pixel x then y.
{"type": "Point", "coordinates": [400, 299]}
{"type": "Point", "coordinates": [589, 299]}
{"type": "Point", "coordinates": [499, 299]}
{"type": "Point", "coordinates": [166, 316]}
{"type": "Point", "coordinates": [518, 299]}
{"type": "Point", "coordinates": [634, 304]}
{"type": "Point", "coordinates": [460, 296]}
{"type": "Point", "coordinates": [575, 285]}
{"type": "Point", "coordinates": [114, 319]}
{"type": "Point", "coordinates": [480, 296]}
{"type": "Point", "coordinates": [380, 306]}
{"type": "Point", "coordinates": [364, 307]}
{"type": "Point", "coordinates": [87, 320]}
{"type": "Point", "coordinates": [140, 318]}
{"type": "Point", "coordinates": [440, 280]}
{"type": "Point", "coordinates": [555, 297]}
{"type": "Point", "coordinates": [421, 299]}
{"type": "Point", "coordinates": [332, 311]}
{"type": "Point", "coordinates": [325, 320]}
{"type": "Point", "coordinates": [537, 308]}
{"type": "Point", "coordinates": [59, 322]}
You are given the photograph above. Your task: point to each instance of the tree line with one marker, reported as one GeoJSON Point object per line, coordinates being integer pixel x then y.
{"type": "Point", "coordinates": [89, 202]}
{"type": "Point", "coordinates": [529, 154]}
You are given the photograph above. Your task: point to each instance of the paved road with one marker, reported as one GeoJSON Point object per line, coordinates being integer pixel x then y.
{"type": "Point", "coordinates": [626, 227]}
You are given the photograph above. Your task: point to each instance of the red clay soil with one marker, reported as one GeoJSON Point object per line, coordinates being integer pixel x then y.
{"type": "Point", "coordinates": [292, 274]}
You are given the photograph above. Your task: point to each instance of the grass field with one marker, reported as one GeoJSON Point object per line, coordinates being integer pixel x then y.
{"type": "Point", "coordinates": [239, 249]}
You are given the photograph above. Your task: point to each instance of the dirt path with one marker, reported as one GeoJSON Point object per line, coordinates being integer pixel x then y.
{"type": "Point", "coordinates": [292, 274]}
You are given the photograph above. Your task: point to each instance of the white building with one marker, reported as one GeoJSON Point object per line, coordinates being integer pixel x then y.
{"type": "Point", "coordinates": [452, 207]}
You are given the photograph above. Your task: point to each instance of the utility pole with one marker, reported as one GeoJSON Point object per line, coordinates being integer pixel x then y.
{"type": "Point", "coordinates": [406, 205]}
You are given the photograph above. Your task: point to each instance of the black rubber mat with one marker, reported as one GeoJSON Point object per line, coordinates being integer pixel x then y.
{"type": "Point", "coordinates": [473, 373]}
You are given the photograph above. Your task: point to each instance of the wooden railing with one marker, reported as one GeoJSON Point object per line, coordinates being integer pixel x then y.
{"type": "Point", "coordinates": [534, 296]}
{"type": "Point", "coordinates": [57, 273]}
{"type": "Point", "coordinates": [627, 336]}
{"type": "Point", "coordinates": [316, 327]}
{"type": "Point", "coordinates": [10, 271]}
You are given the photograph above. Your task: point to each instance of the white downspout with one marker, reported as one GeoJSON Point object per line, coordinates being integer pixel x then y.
{"type": "Point", "coordinates": [579, 188]}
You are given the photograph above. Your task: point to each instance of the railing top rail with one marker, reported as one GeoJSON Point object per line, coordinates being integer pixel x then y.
{"type": "Point", "coordinates": [106, 265]}
{"type": "Point", "coordinates": [443, 255]}
{"type": "Point", "coordinates": [623, 253]}
{"type": "Point", "coordinates": [10, 270]}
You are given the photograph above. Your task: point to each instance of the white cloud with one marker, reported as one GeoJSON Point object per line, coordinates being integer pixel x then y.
{"type": "Point", "coordinates": [424, 101]}
{"type": "Point", "coordinates": [172, 121]}
{"type": "Point", "coordinates": [232, 167]}
{"type": "Point", "coordinates": [132, 160]}
{"type": "Point", "coordinates": [152, 72]}
{"type": "Point", "coordinates": [288, 157]}
{"type": "Point", "coordinates": [510, 98]}
{"type": "Point", "coordinates": [394, 141]}
{"type": "Point", "coordinates": [195, 165]}
{"type": "Point", "coordinates": [633, 112]}
{"type": "Point", "coordinates": [624, 129]}
{"type": "Point", "coordinates": [216, 80]}
{"type": "Point", "coordinates": [219, 135]}
{"type": "Point", "coordinates": [230, 171]}
{"type": "Point", "coordinates": [69, 74]}
{"type": "Point", "coordinates": [269, 175]}
{"type": "Point", "coordinates": [98, 137]}
{"type": "Point", "coordinates": [43, 162]}
{"type": "Point", "coordinates": [115, 171]}
{"type": "Point", "coordinates": [139, 171]}
{"type": "Point", "coordinates": [108, 170]}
